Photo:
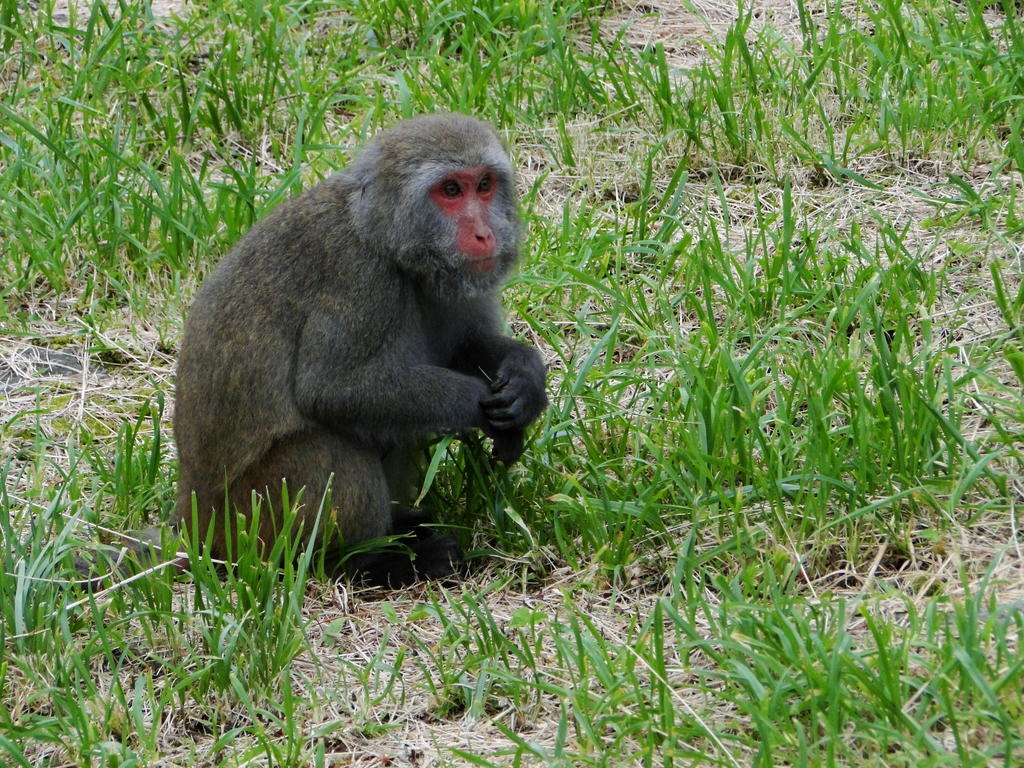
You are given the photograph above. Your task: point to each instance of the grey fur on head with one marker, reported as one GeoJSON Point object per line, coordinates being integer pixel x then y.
{"type": "Point", "coordinates": [393, 176]}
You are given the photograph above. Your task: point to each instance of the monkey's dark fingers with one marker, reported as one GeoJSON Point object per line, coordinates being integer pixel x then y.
{"type": "Point", "coordinates": [507, 416]}
{"type": "Point", "coordinates": [515, 394]}
{"type": "Point", "coordinates": [508, 446]}
{"type": "Point", "coordinates": [436, 557]}
{"type": "Point", "coordinates": [504, 421]}
{"type": "Point", "coordinates": [500, 397]}
{"type": "Point", "coordinates": [410, 521]}
{"type": "Point", "coordinates": [431, 558]}
{"type": "Point", "coordinates": [528, 394]}
{"type": "Point", "coordinates": [503, 413]}
{"type": "Point", "coordinates": [502, 407]}
{"type": "Point", "coordinates": [103, 563]}
{"type": "Point", "coordinates": [497, 403]}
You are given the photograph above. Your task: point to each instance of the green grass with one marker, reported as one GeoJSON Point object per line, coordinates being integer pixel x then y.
{"type": "Point", "coordinates": [772, 516]}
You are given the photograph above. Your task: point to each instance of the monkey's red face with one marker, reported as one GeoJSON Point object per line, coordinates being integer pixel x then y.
{"type": "Point", "coordinates": [466, 197]}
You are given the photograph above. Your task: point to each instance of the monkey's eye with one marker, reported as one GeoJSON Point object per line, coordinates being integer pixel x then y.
{"type": "Point", "coordinates": [485, 184]}
{"type": "Point", "coordinates": [451, 188]}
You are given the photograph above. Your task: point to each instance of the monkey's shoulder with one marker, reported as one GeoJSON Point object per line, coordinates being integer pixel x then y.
{"type": "Point", "coordinates": [306, 223]}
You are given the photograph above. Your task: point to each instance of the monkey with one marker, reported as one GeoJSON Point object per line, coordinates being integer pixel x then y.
{"type": "Point", "coordinates": [342, 333]}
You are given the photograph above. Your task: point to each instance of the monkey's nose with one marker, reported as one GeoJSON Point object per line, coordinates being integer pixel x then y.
{"type": "Point", "coordinates": [483, 242]}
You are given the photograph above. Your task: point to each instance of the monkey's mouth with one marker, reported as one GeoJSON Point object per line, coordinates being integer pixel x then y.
{"type": "Point", "coordinates": [481, 265]}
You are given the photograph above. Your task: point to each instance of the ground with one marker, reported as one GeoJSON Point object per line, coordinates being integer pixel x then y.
{"type": "Point", "coordinates": [773, 263]}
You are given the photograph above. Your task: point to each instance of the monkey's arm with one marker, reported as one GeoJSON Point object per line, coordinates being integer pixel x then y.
{"type": "Point", "coordinates": [383, 394]}
{"type": "Point", "coordinates": [515, 373]}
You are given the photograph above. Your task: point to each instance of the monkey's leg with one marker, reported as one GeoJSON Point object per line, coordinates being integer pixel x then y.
{"type": "Point", "coordinates": [404, 466]}
{"type": "Point", "coordinates": [432, 556]}
{"type": "Point", "coordinates": [313, 462]}
{"type": "Point", "coordinates": [361, 507]}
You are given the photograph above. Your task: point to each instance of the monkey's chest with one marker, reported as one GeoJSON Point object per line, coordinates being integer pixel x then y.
{"type": "Point", "coordinates": [436, 331]}
{"type": "Point", "coordinates": [439, 354]}
{"type": "Point", "coordinates": [435, 346]}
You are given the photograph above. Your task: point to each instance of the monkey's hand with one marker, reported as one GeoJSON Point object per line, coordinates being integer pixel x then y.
{"type": "Point", "coordinates": [517, 397]}
{"type": "Point", "coordinates": [508, 445]}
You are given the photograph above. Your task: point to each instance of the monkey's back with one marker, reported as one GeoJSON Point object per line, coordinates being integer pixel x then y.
{"type": "Point", "coordinates": [234, 392]}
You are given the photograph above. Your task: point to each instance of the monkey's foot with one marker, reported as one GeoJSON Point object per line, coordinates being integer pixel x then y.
{"type": "Point", "coordinates": [436, 557]}
{"type": "Point", "coordinates": [411, 521]}
{"type": "Point", "coordinates": [432, 558]}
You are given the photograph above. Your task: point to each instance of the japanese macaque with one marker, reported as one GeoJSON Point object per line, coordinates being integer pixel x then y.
{"type": "Point", "coordinates": [343, 332]}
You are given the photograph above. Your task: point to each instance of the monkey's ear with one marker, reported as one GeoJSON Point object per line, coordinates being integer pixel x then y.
{"type": "Point", "coordinates": [364, 167]}
{"type": "Point", "coordinates": [364, 173]}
